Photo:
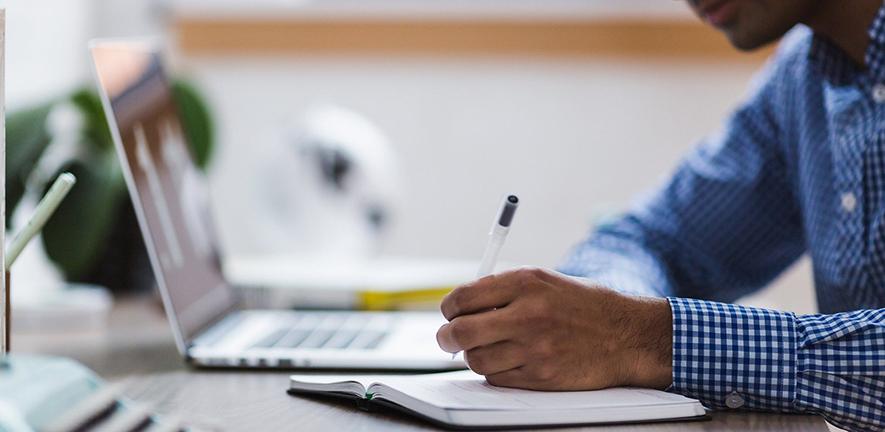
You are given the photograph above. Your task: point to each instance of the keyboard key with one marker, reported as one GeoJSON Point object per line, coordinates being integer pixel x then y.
{"type": "Point", "coordinates": [293, 338]}
{"type": "Point", "coordinates": [341, 339]}
{"type": "Point", "coordinates": [368, 339]}
{"type": "Point", "coordinates": [317, 338]}
{"type": "Point", "coordinates": [270, 340]}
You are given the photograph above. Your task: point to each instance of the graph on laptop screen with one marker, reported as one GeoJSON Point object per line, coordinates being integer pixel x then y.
{"type": "Point", "coordinates": [169, 192]}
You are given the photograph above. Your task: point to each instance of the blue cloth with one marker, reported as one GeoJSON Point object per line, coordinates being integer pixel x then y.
{"type": "Point", "coordinates": [798, 168]}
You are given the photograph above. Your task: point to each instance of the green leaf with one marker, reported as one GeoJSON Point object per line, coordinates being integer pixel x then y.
{"type": "Point", "coordinates": [76, 234]}
{"type": "Point", "coordinates": [196, 121]}
{"type": "Point", "coordinates": [26, 140]}
{"type": "Point", "coordinates": [96, 132]}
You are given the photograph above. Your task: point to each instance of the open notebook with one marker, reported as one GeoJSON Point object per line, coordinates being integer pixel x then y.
{"type": "Point", "coordinates": [464, 399]}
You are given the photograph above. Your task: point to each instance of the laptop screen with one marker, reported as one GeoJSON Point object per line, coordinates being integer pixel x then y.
{"type": "Point", "coordinates": [168, 192]}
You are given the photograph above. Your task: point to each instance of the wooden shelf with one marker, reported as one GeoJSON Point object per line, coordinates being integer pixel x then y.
{"type": "Point", "coordinates": [626, 37]}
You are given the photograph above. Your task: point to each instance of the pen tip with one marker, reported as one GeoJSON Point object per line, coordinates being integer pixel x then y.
{"type": "Point", "coordinates": [508, 209]}
{"type": "Point", "coordinates": [67, 177]}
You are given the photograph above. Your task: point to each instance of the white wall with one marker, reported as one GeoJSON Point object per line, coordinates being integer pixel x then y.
{"type": "Point", "coordinates": [568, 136]}
{"type": "Point", "coordinates": [46, 48]}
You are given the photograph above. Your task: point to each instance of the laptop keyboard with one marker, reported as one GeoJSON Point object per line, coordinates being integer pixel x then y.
{"type": "Point", "coordinates": [323, 330]}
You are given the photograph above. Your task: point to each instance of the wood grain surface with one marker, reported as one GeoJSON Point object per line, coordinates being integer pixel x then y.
{"type": "Point", "coordinates": [136, 350]}
{"type": "Point", "coordinates": [258, 401]}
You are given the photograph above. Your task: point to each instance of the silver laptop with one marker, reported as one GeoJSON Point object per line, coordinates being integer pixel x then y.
{"type": "Point", "coordinates": [171, 201]}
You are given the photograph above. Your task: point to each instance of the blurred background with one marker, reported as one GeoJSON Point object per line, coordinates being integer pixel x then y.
{"type": "Point", "coordinates": [577, 106]}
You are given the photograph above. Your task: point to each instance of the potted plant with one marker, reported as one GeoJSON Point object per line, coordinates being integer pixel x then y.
{"type": "Point", "coordinates": [94, 236]}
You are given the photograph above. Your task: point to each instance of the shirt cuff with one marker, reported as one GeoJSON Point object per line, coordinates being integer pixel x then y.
{"type": "Point", "coordinates": [730, 356]}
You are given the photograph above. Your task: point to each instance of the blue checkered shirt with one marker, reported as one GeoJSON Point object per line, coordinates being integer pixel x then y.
{"type": "Point", "coordinates": [798, 168]}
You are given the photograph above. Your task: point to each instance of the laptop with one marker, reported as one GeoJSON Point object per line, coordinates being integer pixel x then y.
{"type": "Point", "coordinates": [170, 196]}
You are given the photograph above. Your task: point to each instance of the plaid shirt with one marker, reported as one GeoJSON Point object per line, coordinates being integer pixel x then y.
{"type": "Point", "coordinates": [798, 168]}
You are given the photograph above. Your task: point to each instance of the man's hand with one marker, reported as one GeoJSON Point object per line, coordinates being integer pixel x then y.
{"type": "Point", "coordinates": [538, 329]}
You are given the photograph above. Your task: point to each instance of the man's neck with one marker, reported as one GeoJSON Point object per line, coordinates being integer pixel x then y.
{"type": "Point", "coordinates": [846, 23]}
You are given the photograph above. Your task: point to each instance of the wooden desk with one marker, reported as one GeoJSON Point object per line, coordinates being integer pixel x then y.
{"type": "Point", "coordinates": [137, 351]}
{"type": "Point", "coordinates": [247, 400]}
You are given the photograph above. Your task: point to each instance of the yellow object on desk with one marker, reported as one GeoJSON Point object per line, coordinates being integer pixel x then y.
{"type": "Point", "coordinates": [419, 299]}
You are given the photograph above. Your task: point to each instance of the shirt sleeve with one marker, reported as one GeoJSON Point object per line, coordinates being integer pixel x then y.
{"type": "Point", "coordinates": [731, 356]}
{"type": "Point", "coordinates": [725, 223]}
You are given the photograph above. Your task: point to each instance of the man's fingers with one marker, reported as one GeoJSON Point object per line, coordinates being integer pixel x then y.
{"type": "Point", "coordinates": [515, 378]}
{"type": "Point", "coordinates": [495, 358]}
{"type": "Point", "coordinates": [482, 294]}
{"type": "Point", "coordinates": [470, 331]}
{"type": "Point", "coordinates": [489, 292]}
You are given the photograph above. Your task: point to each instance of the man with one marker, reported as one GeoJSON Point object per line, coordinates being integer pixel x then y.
{"type": "Point", "coordinates": [799, 167]}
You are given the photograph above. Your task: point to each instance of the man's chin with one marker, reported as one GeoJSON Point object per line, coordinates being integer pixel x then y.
{"type": "Point", "coordinates": [747, 43]}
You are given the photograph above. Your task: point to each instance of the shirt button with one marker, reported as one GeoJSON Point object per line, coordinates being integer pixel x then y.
{"type": "Point", "coordinates": [734, 400]}
{"type": "Point", "coordinates": [849, 202]}
{"type": "Point", "coordinates": [879, 93]}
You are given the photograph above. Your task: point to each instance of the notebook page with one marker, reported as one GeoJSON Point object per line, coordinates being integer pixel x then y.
{"type": "Point", "coordinates": [468, 391]}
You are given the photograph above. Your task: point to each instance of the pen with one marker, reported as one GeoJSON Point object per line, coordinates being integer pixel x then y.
{"type": "Point", "coordinates": [42, 213]}
{"type": "Point", "coordinates": [44, 210]}
{"type": "Point", "coordinates": [497, 235]}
